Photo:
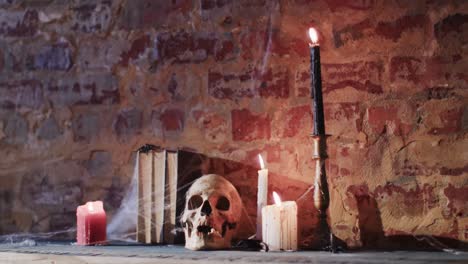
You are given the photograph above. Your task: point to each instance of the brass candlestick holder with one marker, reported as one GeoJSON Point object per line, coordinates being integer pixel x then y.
{"type": "Point", "coordinates": [321, 193]}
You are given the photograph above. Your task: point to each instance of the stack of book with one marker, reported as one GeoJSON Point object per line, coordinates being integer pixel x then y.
{"type": "Point", "coordinates": [157, 193]}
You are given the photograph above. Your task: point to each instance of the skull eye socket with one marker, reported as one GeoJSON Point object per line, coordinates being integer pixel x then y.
{"type": "Point", "coordinates": [223, 204]}
{"type": "Point", "coordinates": [195, 202]}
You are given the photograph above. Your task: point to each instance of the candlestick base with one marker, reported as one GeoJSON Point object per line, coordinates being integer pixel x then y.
{"type": "Point", "coordinates": [321, 194]}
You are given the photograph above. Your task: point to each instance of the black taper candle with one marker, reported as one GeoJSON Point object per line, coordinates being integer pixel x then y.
{"type": "Point", "coordinates": [321, 195]}
{"type": "Point", "coordinates": [316, 82]}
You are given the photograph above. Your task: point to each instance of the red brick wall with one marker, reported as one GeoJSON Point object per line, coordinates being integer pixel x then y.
{"type": "Point", "coordinates": [85, 83]}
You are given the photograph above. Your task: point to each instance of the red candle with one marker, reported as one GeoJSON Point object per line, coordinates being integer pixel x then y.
{"type": "Point", "coordinates": [91, 224]}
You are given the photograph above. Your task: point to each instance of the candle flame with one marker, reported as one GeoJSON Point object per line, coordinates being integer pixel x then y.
{"type": "Point", "coordinates": [262, 165]}
{"type": "Point", "coordinates": [276, 198]}
{"type": "Point", "coordinates": [313, 35]}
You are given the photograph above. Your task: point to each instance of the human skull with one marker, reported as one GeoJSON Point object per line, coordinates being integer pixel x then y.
{"type": "Point", "coordinates": [212, 211]}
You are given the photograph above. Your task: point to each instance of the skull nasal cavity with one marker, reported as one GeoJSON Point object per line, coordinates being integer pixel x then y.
{"type": "Point", "coordinates": [206, 208]}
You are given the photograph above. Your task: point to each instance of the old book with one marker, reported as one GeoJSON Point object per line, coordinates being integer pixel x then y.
{"type": "Point", "coordinates": [170, 196]}
{"type": "Point", "coordinates": [159, 182]}
{"type": "Point", "coordinates": [145, 175]}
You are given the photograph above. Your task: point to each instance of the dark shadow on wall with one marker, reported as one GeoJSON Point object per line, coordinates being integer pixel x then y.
{"type": "Point", "coordinates": [373, 236]}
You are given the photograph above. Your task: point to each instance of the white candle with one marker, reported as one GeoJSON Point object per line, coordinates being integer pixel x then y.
{"type": "Point", "coordinates": [280, 225]}
{"type": "Point", "coordinates": [261, 195]}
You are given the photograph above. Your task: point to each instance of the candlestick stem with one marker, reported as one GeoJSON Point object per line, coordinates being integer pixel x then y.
{"type": "Point", "coordinates": [321, 193]}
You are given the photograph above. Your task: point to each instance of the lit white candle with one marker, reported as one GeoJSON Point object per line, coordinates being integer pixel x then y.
{"type": "Point", "coordinates": [261, 195]}
{"type": "Point", "coordinates": [280, 224]}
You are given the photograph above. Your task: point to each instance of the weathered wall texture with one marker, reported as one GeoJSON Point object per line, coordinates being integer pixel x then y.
{"type": "Point", "coordinates": [85, 83]}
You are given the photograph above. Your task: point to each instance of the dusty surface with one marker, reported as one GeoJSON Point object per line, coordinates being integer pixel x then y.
{"type": "Point", "coordinates": [138, 255]}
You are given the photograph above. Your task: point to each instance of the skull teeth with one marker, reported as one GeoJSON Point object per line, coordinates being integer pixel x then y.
{"type": "Point", "coordinates": [207, 230]}
{"type": "Point", "coordinates": [214, 232]}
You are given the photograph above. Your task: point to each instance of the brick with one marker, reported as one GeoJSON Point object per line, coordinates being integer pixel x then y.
{"type": "Point", "coordinates": [173, 120]}
{"type": "Point", "coordinates": [138, 46]}
{"type": "Point", "coordinates": [66, 91]}
{"type": "Point", "coordinates": [386, 29]}
{"type": "Point", "coordinates": [6, 3]}
{"type": "Point", "coordinates": [25, 93]}
{"type": "Point", "coordinates": [247, 126]}
{"type": "Point", "coordinates": [343, 118]}
{"type": "Point", "coordinates": [139, 14]}
{"type": "Point", "coordinates": [459, 171]}
{"type": "Point", "coordinates": [115, 193]}
{"type": "Point", "coordinates": [18, 23]}
{"type": "Point", "coordinates": [352, 33]}
{"type": "Point", "coordinates": [99, 163]}
{"type": "Point", "coordinates": [302, 83]}
{"type": "Point", "coordinates": [172, 87]}
{"type": "Point", "coordinates": [383, 118]}
{"type": "Point", "coordinates": [394, 29]}
{"type": "Point", "coordinates": [438, 93]}
{"type": "Point", "coordinates": [92, 17]}
{"type": "Point", "coordinates": [2, 63]}
{"type": "Point", "coordinates": [450, 122]}
{"type": "Point", "coordinates": [244, 5]}
{"type": "Point", "coordinates": [452, 24]}
{"type": "Point", "coordinates": [179, 85]}
{"type": "Point", "coordinates": [406, 167]}
{"type": "Point", "coordinates": [465, 119]}
{"type": "Point", "coordinates": [49, 129]}
{"type": "Point", "coordinates": [406, 69]}
{"type": "Point", "coordinates": [336, 172]}
{"type": "Point", "coordinates": [363, 76]}
{"type": "Point", "coordinates": [100, 55]}
{"type": "Point", "coordinates": [213, 125]}
{"type": "Point", "coordinates": [85, 127]}
{"type": "Point", "coordinates": [128, 123]}
{"type": "Point", "coordinates": [16, 129]}
{"type": "Point", "coordinates": [184, 47]}
{"type": "Point", "coordinates": [222, 13]}
{"type": "Point", "coordinates": [254, 43]}
{"type": "Point", "coordinates": [413, 202]}
{"type": "Point", "coordinates": [296, 121]}
{"type": "Point", "coordinates": [212, 4]}
{"type": "Point", "coordinates": [39, 56]}
{"type": "Point", "coordinates": [273, 154]}
{"type": "Point", "coordinates": [350, 4]}
{"type": "Point", "coordinates": [271, 83]}
{"type": "Point", "coordinates": [342, 111]}
{"type": "Point", "coordinates": [442, 69]}
{"type": "Point", "coordinates": [56, 57]}
{"type": "Point", "coordinates": [270, 154]}
{"type": "Point", "coordinates": [49, 190]}
{"type": "Point", "coordinates": [457, 197]}
{"type": "Point", "coordinates": [224, 50]}
{"type": "Point", "coordinates": [87, 90]}
{"type": "Point", "coordinates": [251, 44]}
